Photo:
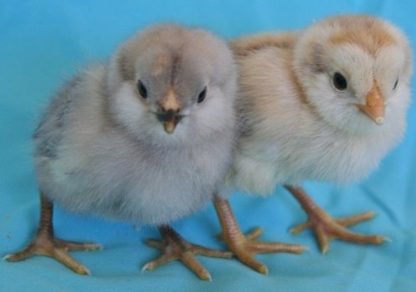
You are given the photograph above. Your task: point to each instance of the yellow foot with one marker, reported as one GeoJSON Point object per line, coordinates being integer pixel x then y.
{"type": "Point", "coordinates": [327, 228]}
{"type": "Point", "coordinates": [174, 247]}
{"type": "Point", "coordinates": [245, 247]}
{"type": "Point", "coordinates": [47, 245]}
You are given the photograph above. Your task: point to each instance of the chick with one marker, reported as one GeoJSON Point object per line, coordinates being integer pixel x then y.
{"type": "Point", "coordinates": [146, 139]}
{"type": "Point", "coordinates": [325, 104]}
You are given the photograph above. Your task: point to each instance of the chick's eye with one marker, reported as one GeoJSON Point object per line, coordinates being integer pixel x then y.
{"type": "Point", "coordinates": [395, 84]}
{"type": "Point", "coordinates": [339, 81]}
{"type": "Point", "coordinates": [202, 95]}
{"type": "Point", "coordinates": [142, 89]}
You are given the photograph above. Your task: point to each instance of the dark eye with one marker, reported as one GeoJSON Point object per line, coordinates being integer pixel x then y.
{"type": "Point", "coordinates": [395, 84]}
{"type": "Point", "coordinates": [339, 81]}
{"type": "Point", "coordinates": [202, 95]}
{"type": "Point", "coordinates": [142, 89]}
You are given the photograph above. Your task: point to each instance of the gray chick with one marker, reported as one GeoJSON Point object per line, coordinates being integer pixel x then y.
{"type": "Point", "coordinates": [146, 139]}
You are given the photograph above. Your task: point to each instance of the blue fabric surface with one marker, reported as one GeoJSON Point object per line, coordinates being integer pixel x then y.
{"type": "Point", "coordinates": [43, 42]}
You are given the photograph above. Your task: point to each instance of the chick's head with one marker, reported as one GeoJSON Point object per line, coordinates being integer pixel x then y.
{"type": "Point", "coordinates": [355, 72]}
{"type": "Point", "coordinates": [173, 83]}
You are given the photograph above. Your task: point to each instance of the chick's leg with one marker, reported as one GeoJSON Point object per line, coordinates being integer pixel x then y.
{"type": "Point", "coordinates": [325, 227]}
{"type": "Point", "coordinates": [46, 244]}
{"type": "Point", "coordinates": [174, 247]}
{"type": "Point", "coordinates": [245, 247]}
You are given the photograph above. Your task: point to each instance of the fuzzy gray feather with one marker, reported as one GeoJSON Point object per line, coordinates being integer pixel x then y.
{"type": "Point", "coordinates": [100, 148]}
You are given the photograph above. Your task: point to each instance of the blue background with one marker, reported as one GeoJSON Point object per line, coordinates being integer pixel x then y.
{"type": "Point", "coordinates": [42, 43]}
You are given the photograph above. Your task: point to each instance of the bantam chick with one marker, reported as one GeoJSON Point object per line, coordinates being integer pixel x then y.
{"type": "Point", "coordinates": [325, 104]}
{"type": "Point", "coordinates": [145, 139]}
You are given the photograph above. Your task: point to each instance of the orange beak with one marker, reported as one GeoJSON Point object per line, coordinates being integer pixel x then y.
{"type": "Point", "coordinates": [374, 107]}
{"type": "Point", "coordinates": [170, 108]}
{"type": "Point", "coordinates": [169, 126]}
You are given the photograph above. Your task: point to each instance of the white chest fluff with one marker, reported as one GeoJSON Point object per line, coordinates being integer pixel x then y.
{"type": "Point", "coordinates": [297, 152]}
{"type": "Point", "coordinates": [121, 182]}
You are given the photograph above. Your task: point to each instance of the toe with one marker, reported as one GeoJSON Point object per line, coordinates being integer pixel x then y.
{"type": "Point", "coordinates": [322, 238]}
{"type": "Point", "coordinates": [163, 259]}
{"type": "Point", "coordinates": [193, 264]}
{"type": "Point", "coordinates": [300, 227]}
{"type": "Point", "coordinates": [19, 256]}
{"type": "Point", "coordinates": [248, 259]}
{"type": "Point", "coordinates": [77, 246]}
{"type": "Point", "coordinates": [61, 256]}
{"type": "Point", "coordinates": [155, 244]}
{"type": "Point", "coordinates": [208, 252]}
{"type": "Point", "coordinates": [254, 234]}
{"type": "Point", "coordinates": [274, 247]}
{"type": "Point", "coordinates": [354, 220]}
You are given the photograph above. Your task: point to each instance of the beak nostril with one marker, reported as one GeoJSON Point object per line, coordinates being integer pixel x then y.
{"type": "Point", "coordinates": [163, 108]}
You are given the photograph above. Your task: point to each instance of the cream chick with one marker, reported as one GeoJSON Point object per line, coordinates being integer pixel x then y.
{"type": "Point", "coordinates": [325, 104]}
{"type": "Point", "coordinates": [146, 138]}
{"type": "Point", "coordinates": [328, 108]}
